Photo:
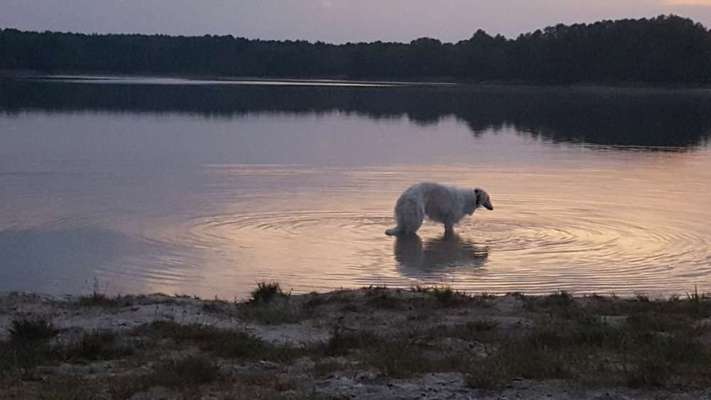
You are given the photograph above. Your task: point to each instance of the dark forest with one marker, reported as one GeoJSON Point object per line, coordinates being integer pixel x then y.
{"type": "Point", "coordinates": [661, 50]}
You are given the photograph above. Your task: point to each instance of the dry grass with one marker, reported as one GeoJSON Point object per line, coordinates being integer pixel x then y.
{"type": "Point", "coordinates": [28, 346]}
{"type": "Point", "coordinates": [190, 371]}
{"type": "Point", "coordinates": [274, 313]}
{"type": "Point", "coordinates": [445, 295]}
{"type": "Point", "coordinates": [600, 341]}
{"type": "Point", "coordinates": [648, 349]}
{"type": "Point", "coordinates": [221, 342]}
{"type": "Point", "coordinates": [94, 346]}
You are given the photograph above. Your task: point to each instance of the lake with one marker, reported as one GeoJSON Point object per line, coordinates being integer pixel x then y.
{"type": "Point", "coordinates": [139, 185]}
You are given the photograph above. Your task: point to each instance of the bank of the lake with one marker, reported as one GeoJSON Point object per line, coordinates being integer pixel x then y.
{"type": "Point", "coordinates": [373, 343]}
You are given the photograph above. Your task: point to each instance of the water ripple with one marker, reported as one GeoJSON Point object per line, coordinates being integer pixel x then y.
{"type": "Point", "coordinates": [512, 249]}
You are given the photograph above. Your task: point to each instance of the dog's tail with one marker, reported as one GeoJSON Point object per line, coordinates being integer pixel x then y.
{"type": "Point", "coordinates": [393, 231]}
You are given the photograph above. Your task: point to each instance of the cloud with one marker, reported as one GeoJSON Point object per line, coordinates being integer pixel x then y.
{"type": "Point", "coordinates": [706, 3]}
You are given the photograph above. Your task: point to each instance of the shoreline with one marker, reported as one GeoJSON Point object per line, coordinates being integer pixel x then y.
{"type": "Point", "coordinates": [437, 82]}
{"type": "Point", "coordinates": [371, 343]}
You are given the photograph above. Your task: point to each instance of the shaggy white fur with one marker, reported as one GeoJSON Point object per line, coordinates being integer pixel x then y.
{"type": "Point", "coordinates": [440, 203]}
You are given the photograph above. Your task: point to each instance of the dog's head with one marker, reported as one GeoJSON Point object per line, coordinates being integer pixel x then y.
{"type": "Point", "coordinates": [481, 199]}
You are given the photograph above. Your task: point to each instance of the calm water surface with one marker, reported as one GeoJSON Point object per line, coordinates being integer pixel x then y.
{"type": "Point", "coordinates": [170, 186]}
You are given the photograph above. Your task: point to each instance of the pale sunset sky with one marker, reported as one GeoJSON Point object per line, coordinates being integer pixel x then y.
{"type": "Point", "coordinates": [330, 20]}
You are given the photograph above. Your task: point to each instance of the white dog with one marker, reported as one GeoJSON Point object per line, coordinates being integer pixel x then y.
{"type": "Point", "coordinates": [445, 204]}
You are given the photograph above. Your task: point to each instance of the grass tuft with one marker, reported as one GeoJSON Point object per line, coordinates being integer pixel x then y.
{"type": "Point", "coordinates": [342, 342]}
{"type": "Point", "coordinates": [101, 300]}
{"type": "Point", "coordinates": [385, 300]}
{"type": "Point", "coordinates": [266, 292]}
{"type": "Point", "coordinates": [221, 342]}
{"type": "Point", "coordinates": [419, 289]}
{"type": "Point", "coordinates": [94, 346]}
{"type": "Point", "coordinates": [28, 346]}
{"type": "Point", "coordinates": [448, 297]}
{"type": "Point", "coordinates": [32, 330]}
{"type": "Point", "coordinates": [444, 295]}
{"type": "Point", "coordinates": [273, 313]}
{"type": "Point", "coordinates": [190, 371]}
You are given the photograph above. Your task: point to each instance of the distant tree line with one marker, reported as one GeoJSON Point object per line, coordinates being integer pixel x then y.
{"type": "Point", "coordinates": [665, 49]}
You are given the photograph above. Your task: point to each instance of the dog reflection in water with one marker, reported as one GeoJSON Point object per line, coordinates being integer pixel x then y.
{"type": "Point", "coordinates": [446, 251]}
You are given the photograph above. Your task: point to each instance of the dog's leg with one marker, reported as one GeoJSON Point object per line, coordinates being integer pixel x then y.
{"type": "Point", "coordinates": [448, 230]}
{"type": "Point", "coordinates": [409, 215]}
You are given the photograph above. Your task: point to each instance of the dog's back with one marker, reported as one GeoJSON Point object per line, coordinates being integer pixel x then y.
{"type": "Point", "coordinates": [440, 202]}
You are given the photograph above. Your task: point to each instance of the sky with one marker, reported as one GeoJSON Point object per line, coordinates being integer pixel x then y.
{"type": "Point", "coordinates": [335, 21]}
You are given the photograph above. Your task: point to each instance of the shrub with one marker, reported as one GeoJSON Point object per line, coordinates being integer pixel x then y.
{"type": "Point", "coordinates": [266, 292]}
{"type": "Point", "coordinates": [32, 330]}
